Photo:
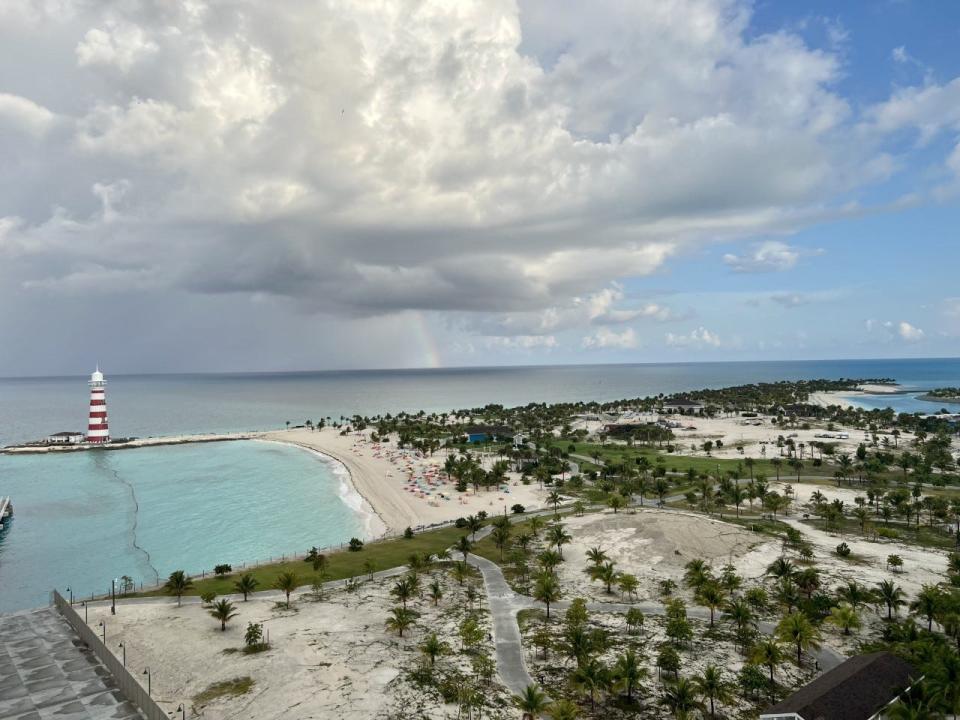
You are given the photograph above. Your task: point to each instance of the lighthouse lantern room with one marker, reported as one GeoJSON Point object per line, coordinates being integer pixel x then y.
{"type": "Point", "coordinates": [98, 430]}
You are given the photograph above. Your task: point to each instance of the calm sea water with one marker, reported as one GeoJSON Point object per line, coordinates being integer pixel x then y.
{"type": "Point", "coordinates": [87, 517]}
{"type": "Point", "coordinates": [145, 405]}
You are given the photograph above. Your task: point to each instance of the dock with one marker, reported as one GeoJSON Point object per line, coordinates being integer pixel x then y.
{"type": "Point", "coordinates": [6, 509]}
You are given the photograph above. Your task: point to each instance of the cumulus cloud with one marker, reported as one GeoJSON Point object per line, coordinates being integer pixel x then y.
{"type": "Point", "coordinates": [698, 338]}
{"type": "Point", "coordinates": [507, 162]}
{"type": "Point", "coordinates": [608, 306]}
{"type": "Point", "coordinates": [606, 338]}
{"type": "Point", "coordinates": [909, 332]}
{"type": "Point", "coordinates": [891, 330]}
{"type": "Point", "coordinates": [115, 45]}
{"type": "Point", "coordinates": [25, 116]}
{"type": "Point", "coordinates": [770, 256]}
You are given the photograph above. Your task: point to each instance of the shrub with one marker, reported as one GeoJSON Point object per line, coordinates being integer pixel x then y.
{"type": "Point", "coordinates": [888, 533]}
{"type": "Point", "coordinates": [223, 569]}
{"type": "Point", "coordinates": [460, 522]}
{"type": "Point", "coordinates": [408, 533]}
{"type": "Point", "coordinates": [207, 597]}
{"type": "Point", "coordinates": [843, 550]}
{"type": "Point", "coordinates": [518, 509]}
{"type": "Point", "coordinates": [355, 545]}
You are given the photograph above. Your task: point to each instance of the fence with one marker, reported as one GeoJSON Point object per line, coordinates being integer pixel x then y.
{"type": "Point", "coordinates": [129, 685]}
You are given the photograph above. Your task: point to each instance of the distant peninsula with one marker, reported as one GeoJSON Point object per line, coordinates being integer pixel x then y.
{"type": "Point", "coordinates": [947, 395]}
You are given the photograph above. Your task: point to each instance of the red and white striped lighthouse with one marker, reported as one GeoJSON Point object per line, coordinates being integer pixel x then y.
{"type": "Point", "coordinates": [97, 431]}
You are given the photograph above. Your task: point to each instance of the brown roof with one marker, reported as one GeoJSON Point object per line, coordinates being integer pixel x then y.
{"type": "Point", "coordinates": [855, 690]}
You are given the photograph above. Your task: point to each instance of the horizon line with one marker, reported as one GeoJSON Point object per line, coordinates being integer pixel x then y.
{"type": "Point", "coordinates": [423, 369]}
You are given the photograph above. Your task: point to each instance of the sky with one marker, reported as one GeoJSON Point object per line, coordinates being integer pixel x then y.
{"type": "Point", "coordinates": [318, 184]}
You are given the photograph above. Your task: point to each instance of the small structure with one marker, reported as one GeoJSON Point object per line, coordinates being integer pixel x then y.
{"type": "Point", "coordinates": [683, 406]}
{"type": "Point", "coordinates": [859, 689]}
{"type": "Point", "coordinates": [68, 437]}
{"type": "Point", "coordinates": [482, 433]}
{"type": "Point", "coordinates": [98, 430]}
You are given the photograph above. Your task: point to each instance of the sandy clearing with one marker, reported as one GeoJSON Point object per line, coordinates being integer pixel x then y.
{"type": "Point", "coordinates": [330, 659]}
{"type": "Point", "coordinates": [653, 545]}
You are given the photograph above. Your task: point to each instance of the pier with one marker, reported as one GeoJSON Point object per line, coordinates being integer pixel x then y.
{"type": "Point", "coordinates": [6, 509]}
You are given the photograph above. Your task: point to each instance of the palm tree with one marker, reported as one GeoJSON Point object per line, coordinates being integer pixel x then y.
{"type": "Point", "coordinates": [597, 556]}
{"type": "Point", "coordinates": [464, 545]}
{"type": "Point", "coordinates": [797, 629]}
{"type": "Point", "coordinates": [245, 585]}
{"type": "Point", "coordinates": [628, 673]}
{"type": "Point", "coordinates": [781, 567]}
{"type": "Point", "coordinates": [432, 647]}
{"type": "Point", "coordinates": [400, 619]}
{"type": "Point", "coordinates": [927, 604]}
{"type": "Point", "coordinates": [223, 610]}
{"type": "Point", "coordinates": [554, 499]}
{"type": "Point", "coordinates": [739, 613]}
{"type": "Point", "coordinates": [855, 594]}
{"type": "Point", "coordinates": [287, 582]}
{"type": "Point", "coordinates": [473, 525]}
{"type": "Point", "coordinates": [177, 584]}
{"type": "Point", "coordinates": [547, 590]}
{"type": "Point", "coordinates": [845, 618]}
{"type": "Point", "coordinates": [501, 536]}
{"type": "Point", "coordinates": [697, 573]}
{"type": "Point", "coordinates": [532, 702]}
{"type": "Point", "coordinates": [403, 590]}
{"type": "Point", "coordinates": [593, 677]}
{"type": "Point", "coordinates": [711, 684]}
{"type": "Point", "coordinates": [767, 652]}
{"type": "Point", "coordinates": [549, 559]}
{"type": "Point", "coordinates": [436, 592]}
{"type": "Point", "coordinates": [891, 595]}
{"type": "Point", "coordinates": [616, 502]}
{"type": "Point", "coordinates": [536, 525]}
{"type": "Point", "coordinates": [460, 572]}
{"type": "Point", "coordinates": [712, 597]}
{"type": "Point", "coordinates": [682, 699]}
{"type": "Point", "coordinates": [563, 710]}
{"type": "Point", "coordinates": [606, 573]}
{"type": "Point", "coordinates": [559, 537]}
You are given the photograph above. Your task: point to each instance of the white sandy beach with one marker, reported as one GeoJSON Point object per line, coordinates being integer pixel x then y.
{"type": "Point", "coordinates": [395, 483]}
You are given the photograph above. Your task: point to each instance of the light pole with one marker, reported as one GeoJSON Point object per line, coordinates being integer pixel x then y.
{"type": "Point", "coordinates": [86, 612]}
{"type": "Point", "coordinates": [124, 648]}
{"type": "Point", "coordinates": [70, 590]}
{"type": "Point", "coordinates": [181, 709]}
{"type": "Point", "coordinates": [146, 672]}
{"type": "Point", "coordinates": [104, 626]}
{"type": "Point", "coordinates": [113, 596]}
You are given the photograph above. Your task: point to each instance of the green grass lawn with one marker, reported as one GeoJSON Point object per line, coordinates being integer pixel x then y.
{"type": "Point", "coordinates": [385, 554]}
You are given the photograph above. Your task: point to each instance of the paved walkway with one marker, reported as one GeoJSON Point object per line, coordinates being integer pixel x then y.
{"type": "Point", "coordinates": [504, 604]}
{"type": "Point", "coordinates": [47, 672]}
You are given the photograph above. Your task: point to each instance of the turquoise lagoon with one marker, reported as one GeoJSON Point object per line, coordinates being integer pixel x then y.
{"type": "Point", "coordinates": [85, 518]}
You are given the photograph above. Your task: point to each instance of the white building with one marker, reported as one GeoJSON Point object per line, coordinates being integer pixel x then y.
{"type": "Point", "coordinates": [65, 438]}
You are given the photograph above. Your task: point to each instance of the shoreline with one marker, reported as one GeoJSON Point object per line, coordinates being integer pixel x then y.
{"type": "Point", "coordinates": [365, 507]}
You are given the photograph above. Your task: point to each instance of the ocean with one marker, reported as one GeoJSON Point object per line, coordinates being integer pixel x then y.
{"type": "Point", "coordinates": [84, 518]}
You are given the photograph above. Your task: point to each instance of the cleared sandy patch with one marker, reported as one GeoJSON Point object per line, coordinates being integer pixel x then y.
{"type": "Point", "coordinates": [329, 659]}
{"type": "Point", "coordinates": [653, 545]}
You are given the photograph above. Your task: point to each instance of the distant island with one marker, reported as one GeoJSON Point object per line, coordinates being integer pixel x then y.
{"type": "Point", "coordinates": [947, 394]}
